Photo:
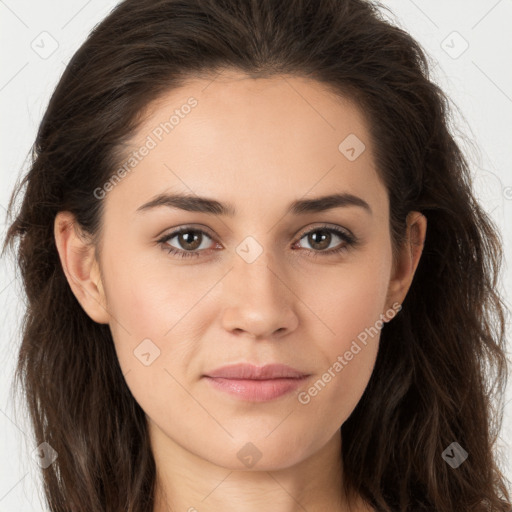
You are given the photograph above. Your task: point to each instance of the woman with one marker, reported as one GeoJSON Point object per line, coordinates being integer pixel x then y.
{"type": "Point", "coordinates": [257, 275]}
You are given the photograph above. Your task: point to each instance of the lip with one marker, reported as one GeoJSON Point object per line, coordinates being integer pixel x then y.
{"type": "Point", "coordinates": [256, 383]}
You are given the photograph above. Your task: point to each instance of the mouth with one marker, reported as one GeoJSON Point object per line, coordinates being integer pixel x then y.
{"type": "Point", "coordinates": [254, 383]}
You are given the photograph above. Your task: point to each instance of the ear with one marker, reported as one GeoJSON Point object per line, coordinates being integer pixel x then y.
{"type": "Point", "coordinates": [407, 259]}
{"type": "Point", "coordinates": [80, 266]}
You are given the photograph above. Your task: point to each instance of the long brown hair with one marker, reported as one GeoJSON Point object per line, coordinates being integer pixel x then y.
{"type": "Point", "coordinates": [441, 369]}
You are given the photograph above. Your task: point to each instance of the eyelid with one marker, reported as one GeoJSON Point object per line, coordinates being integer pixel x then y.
{"type": "Point", "coordinates": [346, 236]}
{"type": "Point", "coordinates": [203, 229]}
{"type": "Point", "coordinates": [326, 226]}
{"type": "Point", "coordinates": [184, 229]}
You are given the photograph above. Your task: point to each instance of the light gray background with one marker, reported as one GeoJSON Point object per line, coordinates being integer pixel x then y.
{"type": "Point", "coordinates": [37, 39]}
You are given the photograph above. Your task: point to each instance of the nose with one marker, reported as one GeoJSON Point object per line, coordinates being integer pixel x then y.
{"type": "Point", "coordinates": [259, 300]}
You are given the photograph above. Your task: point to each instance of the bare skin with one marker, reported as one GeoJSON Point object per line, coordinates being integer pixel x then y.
{"type": "Point", "coordinates": [257, 144]}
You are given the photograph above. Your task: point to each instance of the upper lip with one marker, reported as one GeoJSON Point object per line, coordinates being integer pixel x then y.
{"type": "Point", "coordinates": [250, 371]}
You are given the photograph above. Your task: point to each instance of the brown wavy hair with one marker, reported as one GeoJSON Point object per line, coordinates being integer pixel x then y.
{"type": "Point", "coordinates": [441, 369]}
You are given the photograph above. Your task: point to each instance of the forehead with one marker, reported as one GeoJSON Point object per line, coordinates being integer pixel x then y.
{"type": "Point", "coordinates": [244, 139]}
{"type": "Point", "coordinates": [232, 101]}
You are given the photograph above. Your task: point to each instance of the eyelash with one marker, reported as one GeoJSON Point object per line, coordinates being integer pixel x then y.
{"type": "Point", "coordinates": [349, 239]}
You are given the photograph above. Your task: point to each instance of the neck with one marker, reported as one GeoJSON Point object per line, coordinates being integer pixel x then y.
{"type": "Point", "coordinates": [189, 483]}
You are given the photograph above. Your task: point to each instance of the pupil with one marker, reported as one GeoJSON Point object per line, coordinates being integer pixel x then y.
{"type": "Point", "coordinates": [324, 238]}
{"type": "Point", "coordinates": [189, 244]}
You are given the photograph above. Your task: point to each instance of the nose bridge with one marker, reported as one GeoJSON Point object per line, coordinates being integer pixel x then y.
{"type": "Point", "coordinates": [258, 301]}
{"type": "Point", "coordinates": [255, 272]}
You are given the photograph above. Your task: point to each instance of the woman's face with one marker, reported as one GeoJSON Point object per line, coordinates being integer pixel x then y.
{"type": "Point", "coordinates": [262, 282]}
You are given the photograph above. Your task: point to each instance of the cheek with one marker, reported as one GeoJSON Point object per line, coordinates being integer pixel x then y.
{"type": "Point", "coordinates": [160, 317]}
{"type": "Point", "coordinates": [350, 303]}
{"type": "Point", "coordinates": [346, 352]}
{"type": "Point", "coordinates": [149, 298]}
{"type": "Point", "coordinates": [348, 298]}
{"type": "Point", "coordinates": [335, 391]}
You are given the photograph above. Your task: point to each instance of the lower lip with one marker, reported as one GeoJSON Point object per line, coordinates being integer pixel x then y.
{"type": "Point", "coordinates": [256, 390]}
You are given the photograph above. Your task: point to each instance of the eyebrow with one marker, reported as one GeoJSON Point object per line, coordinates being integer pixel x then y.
{"type": "Point", "coordinates": [209, 206]}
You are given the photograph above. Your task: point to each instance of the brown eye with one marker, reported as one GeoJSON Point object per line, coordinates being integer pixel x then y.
{"type": "Point", "coordinates": [320, 239]}
{"type": "Point", "coordinates": [189, 242]}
